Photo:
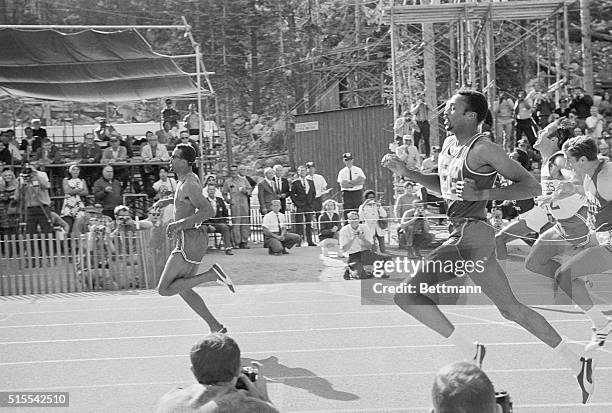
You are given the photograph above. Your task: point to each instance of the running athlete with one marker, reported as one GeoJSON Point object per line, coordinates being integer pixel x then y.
{"type": "Point", "coordinates": [581, 155]}
{"type": "Point", "coordinates": [468, 166]}
{"type": "Point", "coordinates": [190, 210]}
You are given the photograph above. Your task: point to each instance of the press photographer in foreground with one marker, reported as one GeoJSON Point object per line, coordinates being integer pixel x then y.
{"type": "Point", "coordinates": [32, 194]}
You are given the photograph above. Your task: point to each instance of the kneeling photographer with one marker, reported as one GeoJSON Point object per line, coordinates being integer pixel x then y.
{"type": "Point", "coordinates": [215, 363]}
{"type": "Point", "coordinates": [32, 194]}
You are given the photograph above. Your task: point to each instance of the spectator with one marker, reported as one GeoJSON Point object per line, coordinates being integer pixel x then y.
{"type": "Point", "coordinates": [266, 191]}
{"type": "Point", "coordinates": [523, 149]}
{"type": "Point", "coordinates": [604, 149]}
{"type": "Point", "coordinates": [282, 187]}
{"type": "Point", "coordinates": [302, 196]}
{"type": "Point", "coordinates": [30, 143]}
{"type": "Point", "coordinates": [420, 110]}
{"type": "Point", "coordinates": [371, 213]}
{"type": "Point", "coordinates": [108, 191]}
{"type": "Point", "coordinates": [462, 387]}
{"type": "Point", "coordinates": [211, 179]}
{"type": "Point", "coordinates": [414, 231]}
{"type": "Point", "coordinates": [351, 179]}
{"type": "Point", "coordinates": [32, 193]}
{"type": "Point", "coordinates": [605, 106]}
{"type": "Point", "coordinates": [117, 154]}
{"type": "Point", "coordinates": [430, 165]}
{"type": "Point", "coordinates": [405, 125]}
{"type": "Point", "coordinates": [74, 188]}
{"type": "Point", "coordinates": [236, 191]}
{"type": "Point", "coordinates": [169, 114]}
{"type": "Point", "coordinates": [220, 222]}
{"type": "Point", "coordinates": [545, 106]}
{"type": "Point", "coordinates": [563, 110]}
{"type": "Point", "coordinates": [60, 227]}
{"type": "Point", "coordinates": [37, 131]}
{"type": "Point", "coordinates": [47, 153]}
{"type": "Point", "coordinates": [152, 152]}
{"type": "Point", "coordinates": [503, 110]}
{"type": "Point", "coordinates": [191, 121]}
{"type": "Point", "coordinates": [578, 131]}
{"type": "Point", "coordinates": [124, 222]}
{"type": "Point", "coordinates": [165, 134]}
{"type": "Point", "coordinates": [356, 240]}
{"type": "Point", "coordinates": [594, 124]}
{"type": "Point", "coordinates": [89, 151]}
{"type": "Point", "coordinates": [405, 200]}
{"type": "Point", "coordinates": [329, 227]}
{"type": "Point", "coordinates": [320, 185]}
{"type": "Point", "coordinates": [184, 138]}
{"type": "Point", "coordinates": [409, 153]}
{"type": "Point", "coordinates": [5, 155]}
{"type": "Point", "coordinates": [165, 186]}
{"type": "Point", "coordinates": [582, 104]}
{"type": "Point", "coordinates": [242, 171]}
{"type": "Point", "coordinates": [8, 138]}
{"type": "Point", "coordinates": [9, 211]}
{"type": "Point", "coordinates": [105, 132]}
{"type": "Point", "coordinates": [523, 112]}
{"type": "Point", "coordinates": [215, 363]}
{"type": "Point", "coordinates": [276, 237]}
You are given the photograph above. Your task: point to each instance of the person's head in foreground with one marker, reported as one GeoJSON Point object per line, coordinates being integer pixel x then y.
{"type": "Point", "coordinates": [463, 388]}
{"type": "Point", "coordinates": [464, 111]}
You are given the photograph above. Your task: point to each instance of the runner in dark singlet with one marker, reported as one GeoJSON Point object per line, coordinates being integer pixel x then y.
{"type": "Point", "coordinates": [581, 155]}
{"type": "Point", "coordinates": [467, 169]}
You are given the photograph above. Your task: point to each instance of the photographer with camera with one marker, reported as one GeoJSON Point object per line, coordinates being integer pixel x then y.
{"type": "Point", "coordinates": [464, 388]}
{"type": "Point", "coordinates": [215, 363]}
{"type": "Point", "coordinates": [32, 193]}
{"type": "Point", "coordinates": [125, 222]}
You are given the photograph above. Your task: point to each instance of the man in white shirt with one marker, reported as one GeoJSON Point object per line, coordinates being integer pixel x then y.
{"type": "Point", "coordinates": [351, 179]}
{"type": "Point", "coordinates": [154, 151]}
{"type": "Point", "coordinates": [594, 124]}
{"type": "Point", "coordinates": [356, 241]}
{"type": "Point", "coordinates": [320, 185]}
{"type": "Point", "coordinates": [430, 165]}
{"type": "Point", "coordinates": [276, 237]}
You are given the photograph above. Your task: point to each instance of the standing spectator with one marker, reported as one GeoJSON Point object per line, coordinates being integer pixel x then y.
{"type": "Point", "coordinates": [329, 227]}
{"type": "Point", "coordinates": [215, 363]}
{"type": "Point", "coordinates": [236, 191]}
{"type": "Point", "coordinates": [8, 137]}
{"type": "Point", "coordinates": [30, 143]}
{"type": "Point", "coordinates": [594, 124]}
{"type": "Point", "coordinates": [404, 201]}
{"type": "Point", "coordinates": [219, 223]}
{"type": "Point", "coordinates": [47, 153]}
{"type": "Point", "coordinates": [504, 109]}
{"type": "Point", "coordinates": [165, 186]}
{"type": "Point", "coordinates": [463, 387]}
{"type": "Point", "coordinates": [191, 121]}
{"type": "Point", "coordinates": [525, 124]}
{"type": "Point", "coordinates": [563, 110]}
{"type": "Point", "coordinates": [302, 196]}
{"type": "Point", "coordinates": [104, 132]}
{"type": "Point", "coordinates": [414, 231]}
{"type": "Point", "coordinates": [74, 188]}
{"type": "Point", "coordinates": [5, 155]}
{"type": "Point", "coordinates": [371, 213]}
{"type": "Point", "coordinates": [356, 241]}
{"type": "Point", "coordinates": [9, 211]}
{"type": "Point", "coordinates": [32, 192]}
{"type": "Point", "coordinates": [320, 185]}
{"type": "Point", "coordinates": [265, 191]}
{"type": "Point", "coordinates": [165, 135]}
{"type": "Point", "coordinates": [405, 125]}
{"type": "Point", "coordinates": [276, 237]}
{"type": "Point", "coordinates": [582, 104]}
{"type": "Point", "coordinates": [169, 114]}
{"type": "Point", "coordinates": [351, 179]}
{"type": "Point", "coordinates": [545, 106]}
{"type": "Point", "coordinates": [420, 110]}
{"type": "Point", "coordinates": [242, 171]}
{"type": "Point", "coordinates": [108, 191]}
{"type": "Point", "coordinates": [89, 151]}
{"type": "Point", "coordinates": [409, 153]}
{"type": "Point", "coordinates": [37, 131]}
{"type": "Point", "coordinates": [116, 153]}
{"type": "Point", "coordinates": [281, 186]}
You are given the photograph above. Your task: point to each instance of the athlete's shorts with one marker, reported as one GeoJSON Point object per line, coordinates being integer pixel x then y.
{"type": "Point", "coordinates": [535, 218]}
{"type": "Point", "coordinates": [192, 244]}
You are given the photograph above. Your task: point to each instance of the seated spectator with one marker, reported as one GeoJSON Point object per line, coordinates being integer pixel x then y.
{"type": "Point", "coordinates": [108, 191]}
{"type": "Point", "coordinates": [30, 143]}
{"type": "Point", "coordinates": [165, 186]}
{"type": "Point", "coordinates": [220, 222]}
{"type": "Point", "coordinates": [9, 211]}
{"type": "Point", "coordinates": [116, 153]}
{"type": "Point", "coordinates": [154, 151]}
{"type": "Point", "coordinates": [75, 189]}
{"type": "Point", "coordinates": [404, 201]}
{"type": "Point", "coordinates": [276, 237]}
{"type": "Point", "coordinates": [215, 363]}
{"type": "Point", "coordinates": [463, 388]}
{"type": "Point", "coordinates": [414, 231]}
{"type": "Point", "coordinates": [89, 151]}
{"type": "Point", "coordinates": [329, 228]}
{"type": "Point", "coordinates": [356, 241]}
{"type": "Point", "coordinates": [166, 135]}
{"type": "Point", "coordinates": [409, 153]}
{"type": "Point", "coordinates": [47, 153]}
{"type": "Point", "coordinates": [8, 138]}
{"type": "Point", "coordinates": [430, 165]}
{"type": "Point", "coordinates": [184, 138]}
{"type": "Point", "coordinates": [373, 215]}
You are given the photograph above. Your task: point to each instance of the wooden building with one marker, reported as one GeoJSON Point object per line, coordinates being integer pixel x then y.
{"type": "Point", "coordinates": [366, 132]}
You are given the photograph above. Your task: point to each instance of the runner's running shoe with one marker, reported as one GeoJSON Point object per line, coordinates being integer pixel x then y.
{"type": "Point", "coordinates": [223, 278]}
{"type": "Point", "coordinates": [585, 379]}
{"type": "Point", "coordinates": [598, 339]}
{"type": "Point", "coordinates": [481, 351]}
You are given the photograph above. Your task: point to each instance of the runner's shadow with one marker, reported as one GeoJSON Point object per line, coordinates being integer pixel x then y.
{"type": "Point", "coordinates": [300, 378]}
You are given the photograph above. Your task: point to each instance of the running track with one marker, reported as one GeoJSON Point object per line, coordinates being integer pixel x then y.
{"type": "Point", "coordinates": [324, 351]}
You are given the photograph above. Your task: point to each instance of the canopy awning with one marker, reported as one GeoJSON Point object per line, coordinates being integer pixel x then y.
{"type": "Point", "coordinates": [88, 66]}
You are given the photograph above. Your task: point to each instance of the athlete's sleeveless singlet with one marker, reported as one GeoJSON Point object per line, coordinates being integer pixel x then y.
{"type": "Point", "coordinates": [452, 167]}
{"type": "Point", "coordinates": [600, 209]}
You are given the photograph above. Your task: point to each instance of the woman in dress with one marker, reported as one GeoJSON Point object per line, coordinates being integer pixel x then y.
{"type": "Point", "coordinates": [329, 227]}
{"type": "Point", "coordinates": [74, 188]}
{"type": "Point", "coordinates": [371, 212]}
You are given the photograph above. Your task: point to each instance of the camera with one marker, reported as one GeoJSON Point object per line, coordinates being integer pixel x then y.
{"type": "Point", "coordinates": [503, 399]}
{"type": "Point", "coordinates": [251, 373]}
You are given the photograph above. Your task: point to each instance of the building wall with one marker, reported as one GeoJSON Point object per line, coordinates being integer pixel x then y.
{"type": "Point", "coordinates": [365, 132]}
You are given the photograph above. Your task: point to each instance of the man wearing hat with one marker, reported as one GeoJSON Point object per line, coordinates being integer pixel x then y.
{"type": "Point", "coordinates": [351, 179]}
{"type": "Point", "coordinates": [320, 185]}
{"type": "Point", "coordinates": [37, 131]}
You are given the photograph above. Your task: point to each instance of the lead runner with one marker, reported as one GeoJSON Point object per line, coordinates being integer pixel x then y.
{"type": "Point", "coordinates": [190, 210]}
{"type": "Point", "coordinates": [468, 166]}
